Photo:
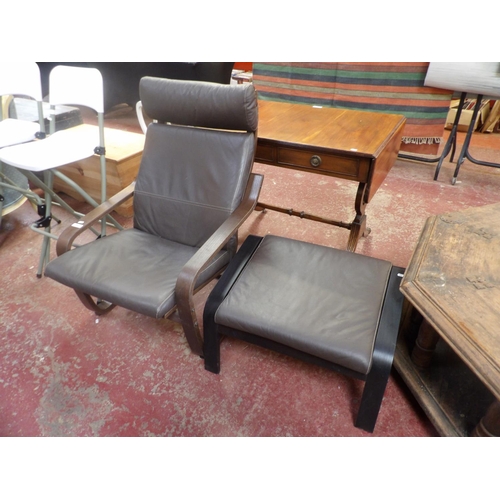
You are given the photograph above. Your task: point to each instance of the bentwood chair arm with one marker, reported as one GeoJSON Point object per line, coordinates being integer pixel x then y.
{"type": "Point", "coordinates": [184, 289]}
{"type": "Point", "coordinates": [65, 240]}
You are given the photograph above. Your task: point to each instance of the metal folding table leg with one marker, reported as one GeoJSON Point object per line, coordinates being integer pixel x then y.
{"type": "Point", "coordinates": [450, 145]}
{"type": "Point", "coordinates": [15, 182]}
{"type": "Point", "coordinates": [45, 223]}
{"type": "Point", "coordinates": [464, 153]}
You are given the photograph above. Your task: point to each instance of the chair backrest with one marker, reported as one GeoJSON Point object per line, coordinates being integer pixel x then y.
{"type": "Point", "coordinates": [77, 86]}
{"type": "Point", "coordinates": [20, 78]}
{"type": "Point", "coordinates": [197, 157]}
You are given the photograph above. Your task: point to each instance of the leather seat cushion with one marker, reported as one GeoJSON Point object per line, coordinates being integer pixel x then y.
{"type": "Point", "coordinates": [319, 300]}
{"type": "Point", "coordinates": [131, 268]}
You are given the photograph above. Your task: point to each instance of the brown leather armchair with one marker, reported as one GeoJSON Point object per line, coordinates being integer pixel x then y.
{"type": "Point", "coordinates": [193, 190]}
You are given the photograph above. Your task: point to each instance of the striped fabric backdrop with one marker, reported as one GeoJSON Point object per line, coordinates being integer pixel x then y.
{"type": "Point", "coordinates": [396, 88]}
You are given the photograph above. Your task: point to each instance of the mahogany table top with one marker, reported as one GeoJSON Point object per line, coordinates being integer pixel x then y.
{"type": "Point", "coordinates": [361, 133]}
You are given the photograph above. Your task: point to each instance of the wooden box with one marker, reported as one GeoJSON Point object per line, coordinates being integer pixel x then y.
{"type": "Point", "coordinates": [123, 157]}
{"type": "Point", "coordinates": [466, 115]}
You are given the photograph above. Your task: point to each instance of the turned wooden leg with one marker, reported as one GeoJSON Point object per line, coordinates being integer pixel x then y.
{"type": "Point", "coordinates": [425, 344]}
{"type": "Point", "coordinates": [489, 426]}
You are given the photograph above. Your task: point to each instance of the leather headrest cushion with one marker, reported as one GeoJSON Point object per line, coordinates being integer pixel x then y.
{"type": "Point", "coordinates": [200, 104]}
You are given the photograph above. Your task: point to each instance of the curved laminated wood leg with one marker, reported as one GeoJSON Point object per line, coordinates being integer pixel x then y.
{"type": "Point", "coordinates": [211, 345]}
{"type": "Point", "coordinates": [225, 235]}
{"type": "Point", "coordinates": [100, 307]}
{"type": "Point", "coordinates": [211, 336]}
{"type": "Point", "coordinates": [383, 354]}
{"type": "Point", "coordinates": [190, 326]}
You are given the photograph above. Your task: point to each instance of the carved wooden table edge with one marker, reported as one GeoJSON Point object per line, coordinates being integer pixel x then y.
{"type": "Point", "coordinates": [412, 360]}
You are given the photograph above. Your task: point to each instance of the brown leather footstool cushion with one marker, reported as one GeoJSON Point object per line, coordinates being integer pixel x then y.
{"type": "Point", "coordinates": [316, 299]}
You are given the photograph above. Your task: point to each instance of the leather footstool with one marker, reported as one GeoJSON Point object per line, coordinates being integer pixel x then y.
{"type": "Point", "coordinates": [331, 307]}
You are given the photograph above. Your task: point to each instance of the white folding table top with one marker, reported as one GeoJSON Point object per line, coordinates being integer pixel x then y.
{"type": "Point", "coordinates": [56, 150]}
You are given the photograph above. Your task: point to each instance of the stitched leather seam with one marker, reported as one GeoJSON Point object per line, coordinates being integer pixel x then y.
{"type": "Point", "coordinates": [185, 202]}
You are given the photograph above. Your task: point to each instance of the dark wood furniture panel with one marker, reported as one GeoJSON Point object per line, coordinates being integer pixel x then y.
{"type": "Point", "coordinates": [346, 167]}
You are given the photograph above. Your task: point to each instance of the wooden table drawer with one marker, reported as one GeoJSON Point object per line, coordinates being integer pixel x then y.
{"type": "Point", "coordinates": [333, 164]}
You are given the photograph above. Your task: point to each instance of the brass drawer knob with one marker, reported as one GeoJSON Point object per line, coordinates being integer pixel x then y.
{"type": "Point", "coordinates": [315, 161]}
